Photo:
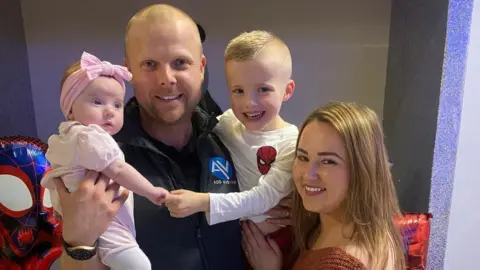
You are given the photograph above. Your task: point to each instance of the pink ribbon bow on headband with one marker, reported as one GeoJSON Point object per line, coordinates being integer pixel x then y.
{"type": "Point", "coordinates": [90, 68]}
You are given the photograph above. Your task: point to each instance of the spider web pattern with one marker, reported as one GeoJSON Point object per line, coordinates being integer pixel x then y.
{"type": "Point", "coordinates": [28, 155]}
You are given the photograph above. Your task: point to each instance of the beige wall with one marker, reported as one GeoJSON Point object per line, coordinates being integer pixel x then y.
{"type": "Point", "coordinates": [339, 47]}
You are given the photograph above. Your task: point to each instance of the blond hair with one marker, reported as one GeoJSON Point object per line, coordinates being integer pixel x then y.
{"type": "Point", "coordinates": [248, 45]}
{"type": "Point", "coordinates": [371, 203]}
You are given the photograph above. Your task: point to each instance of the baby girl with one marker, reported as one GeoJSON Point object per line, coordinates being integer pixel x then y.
{"type": "Point", "coordinates": [92, 100]}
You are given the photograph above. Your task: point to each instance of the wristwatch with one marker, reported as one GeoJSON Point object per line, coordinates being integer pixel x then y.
{"type": "Point", "coordinates": [80, 253]}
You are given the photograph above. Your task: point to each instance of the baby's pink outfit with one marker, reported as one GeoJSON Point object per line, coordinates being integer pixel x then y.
{"type": "Point", "coordinates": [74, 150]}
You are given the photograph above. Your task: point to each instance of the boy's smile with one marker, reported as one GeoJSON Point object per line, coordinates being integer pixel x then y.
{"type": "Point", "coordinates": [254, 115]}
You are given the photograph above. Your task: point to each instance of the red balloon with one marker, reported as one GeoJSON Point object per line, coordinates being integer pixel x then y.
{"type": "Point", "coordinates": [416, 228]}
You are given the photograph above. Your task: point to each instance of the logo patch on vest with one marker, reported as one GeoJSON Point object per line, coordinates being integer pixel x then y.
{"type": "Point", "coordinates": [221, 168]}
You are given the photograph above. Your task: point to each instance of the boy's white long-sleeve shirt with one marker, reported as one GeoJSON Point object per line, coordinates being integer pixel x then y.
{"type": "Point", "coordinates": [263, 163]}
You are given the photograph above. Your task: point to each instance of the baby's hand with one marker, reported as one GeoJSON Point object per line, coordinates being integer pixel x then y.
{"type": "Point", "coordinates": [158, 195]}
{"type": "Point", "coordinates": [183, 203]}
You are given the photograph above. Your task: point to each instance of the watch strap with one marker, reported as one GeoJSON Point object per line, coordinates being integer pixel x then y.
{"type": "Point", "coordinates": [80, 253]}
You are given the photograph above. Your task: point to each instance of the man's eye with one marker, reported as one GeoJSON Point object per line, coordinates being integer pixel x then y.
{"type": "Point", "coordinates": [237, 91]}
{"type": "Point", "coordinates": [151, 65]}
{"type": "Point", "coordinates": [180, 64]}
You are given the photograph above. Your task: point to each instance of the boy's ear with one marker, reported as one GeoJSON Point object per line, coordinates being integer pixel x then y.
{"type": "Point", "coordinates": [289, 90]}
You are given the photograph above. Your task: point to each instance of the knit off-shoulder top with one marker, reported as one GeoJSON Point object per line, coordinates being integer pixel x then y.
{"type": "Point", "coordinates": [331, 258]}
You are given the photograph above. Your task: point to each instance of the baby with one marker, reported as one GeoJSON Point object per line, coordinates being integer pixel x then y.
{"type": "Point", "coordinates": [258, 69]}
{"type": "Point", "coordinates": [92, 101]}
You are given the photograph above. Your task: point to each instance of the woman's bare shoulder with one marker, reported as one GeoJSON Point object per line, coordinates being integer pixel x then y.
{"type": "Point", "coordinates": [359, 253]}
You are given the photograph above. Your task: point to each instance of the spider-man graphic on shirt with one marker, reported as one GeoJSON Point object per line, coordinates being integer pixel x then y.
{"type": "Point", "coordinates": [265, 157]}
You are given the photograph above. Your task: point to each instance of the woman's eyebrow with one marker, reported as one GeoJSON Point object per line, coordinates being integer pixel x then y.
{"type": "Point", "coordinates": [329, 154]}
{"type": "Point", "coordinates": [303, 151]}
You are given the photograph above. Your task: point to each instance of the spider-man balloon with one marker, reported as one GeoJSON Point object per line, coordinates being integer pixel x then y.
{"type": "Point", "coordinates": [265, 157]}
{"type": "Point", "coordinates": [29, 234]}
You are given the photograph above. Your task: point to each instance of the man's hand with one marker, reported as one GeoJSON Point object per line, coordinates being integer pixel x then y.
{"type": "Point", "coordinates": [183, 203]}
{"type": "Point", "coordinates": [281, 213]}
{"type": "Point", "coordinates": [88, 211]}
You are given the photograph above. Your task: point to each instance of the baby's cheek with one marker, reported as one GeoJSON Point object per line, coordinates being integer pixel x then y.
{"type": "Point", "coordinates": [89, 121]}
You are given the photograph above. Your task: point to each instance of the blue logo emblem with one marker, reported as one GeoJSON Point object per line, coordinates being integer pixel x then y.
{"type": "Point", "coordinates": [220, 168]}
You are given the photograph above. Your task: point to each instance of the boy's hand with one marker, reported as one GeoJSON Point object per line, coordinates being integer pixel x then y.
{"type": "Point", "coordinates": [158, 195]}
{"type": "Point", "coordinates": [183, 203]}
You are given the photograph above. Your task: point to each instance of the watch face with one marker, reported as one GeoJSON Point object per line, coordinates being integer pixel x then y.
{"type": "Point", "coordinates": [81, 254]}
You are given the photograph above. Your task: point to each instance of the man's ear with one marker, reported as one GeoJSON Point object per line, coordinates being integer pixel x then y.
{"type": "Point", "coordinates": [203, 63]}
{"type": "Point", "coordinates": [289, 90]}
{"type": "Point", "coordinates": [125, 63]}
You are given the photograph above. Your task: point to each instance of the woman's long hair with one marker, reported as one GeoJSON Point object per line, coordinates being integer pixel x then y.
{"type": "Point", "coordinates": [371, 203]}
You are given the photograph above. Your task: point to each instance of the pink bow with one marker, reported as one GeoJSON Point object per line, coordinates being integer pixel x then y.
{"type": "Point", "coordinates": [90, 68]}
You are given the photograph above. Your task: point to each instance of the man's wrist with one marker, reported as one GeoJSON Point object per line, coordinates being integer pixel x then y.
{"type": "Point", "coordinates": [75, 242]}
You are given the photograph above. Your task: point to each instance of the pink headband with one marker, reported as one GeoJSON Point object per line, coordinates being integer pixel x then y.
{"type": "Point", "coordinates": [90, 68]}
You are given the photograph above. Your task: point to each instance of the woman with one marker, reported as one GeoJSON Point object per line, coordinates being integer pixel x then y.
{"type": "Point", "coordinates": [345, 201]}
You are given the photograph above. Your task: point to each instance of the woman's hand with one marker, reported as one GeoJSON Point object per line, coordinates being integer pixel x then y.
{"type": "Point", "coordinates": [281, 213]}
{"type": "Point", "coordinates": [88, 211]}
{"type": "Point", "coordinates": [261, 253]}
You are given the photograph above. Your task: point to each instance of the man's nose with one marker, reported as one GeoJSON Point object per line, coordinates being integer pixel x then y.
{"type": "Point", "coordinates": [165, 76]}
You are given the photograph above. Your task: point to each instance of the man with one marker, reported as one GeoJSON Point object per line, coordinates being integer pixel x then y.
{"type": "Point", "coordinates": [168, 140]}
